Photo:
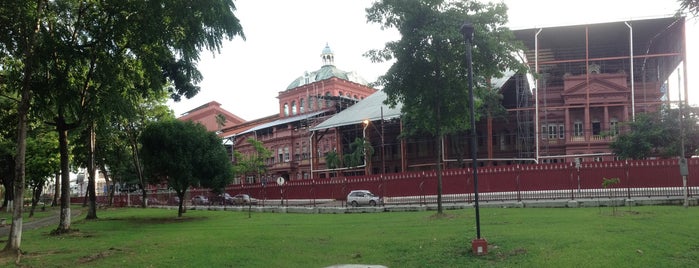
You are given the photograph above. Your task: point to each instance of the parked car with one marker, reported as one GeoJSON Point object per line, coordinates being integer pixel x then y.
{"type": "Point", "coordinates": [200, 200]}
{"type": "Point", "coordinates": [224, 198]}
{"type": "Point", "coordinates": [174, 201]}
{"type": "Point", "coordinates": [362, 197]}
{"type": "Point", "coordinates": [244, 199]}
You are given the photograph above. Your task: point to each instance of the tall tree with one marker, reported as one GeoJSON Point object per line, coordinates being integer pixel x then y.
{"type": "Point", "coordinates": [429, 75]}
{"type": "Point", "coordinates": [252, 164]}
{"type": "Point", "coordinates": [692, 6]}
{"type": "Point", "coordinates": [21, 23]}
{"type": "Point", "coordinates": [70, 51]}
{"type": "Point", "coordinates": [658, 135]}
{"type": "Point", "coordinates": [95, 48]}
{"type": "Point", "coordinates": [184, 154]}
{"type": "Point", "coordinates": [42, 147]}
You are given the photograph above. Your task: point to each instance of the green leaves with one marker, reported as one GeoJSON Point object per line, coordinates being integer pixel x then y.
{"type": "Point", "coordinates": [658, 134]}
{"type": "Point", "coordinates": [184, 154]}
{"type": "Point", "coordinates": [430, 75]}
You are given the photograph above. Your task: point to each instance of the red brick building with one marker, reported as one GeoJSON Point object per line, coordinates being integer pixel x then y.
{"type": "Point", "coordinates": [212, 116]}
{"type": "Point", "coordinates": [307, 101]}
{"type": "Point", "coordinates": [587, 82]}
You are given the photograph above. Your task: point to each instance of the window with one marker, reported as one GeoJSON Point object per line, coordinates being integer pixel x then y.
{"type": "Point", "coordinates": [544, 132]}
{"type": "Point", "coordinates": [561, 131]}
{"type": "Point", "coordinates": [327, 99]}
{"type": "Point", "coordinates": [553, 131]}
{"type": "Point", "coordinates": [286, 109]}
{"type": "Point", "coordinates": [614, 127]}
{"type": "Point", "coordinates": [578, 129]}
{"type": "Point", "coordinates": [280, 154]}
{"type": "Point", "coordinates": [596, 127]}
{"type": "Point", "coordinates": [293, 107]}
{"type": "Point", "coordinates": [301, 107]}
{"type": "Point", "coordinates": [503, 141]}
{"type": "Point", "coordinates": [286, 154]}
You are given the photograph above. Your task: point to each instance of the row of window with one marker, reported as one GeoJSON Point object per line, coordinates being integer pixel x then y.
{"type": "Point", "coordinates": [557, 131]}
{"type": "Point", "coordinates": [313, 103]}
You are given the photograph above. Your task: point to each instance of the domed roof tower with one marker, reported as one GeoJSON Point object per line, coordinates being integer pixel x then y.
{"type": "Point", "coordinates": [326, 71]}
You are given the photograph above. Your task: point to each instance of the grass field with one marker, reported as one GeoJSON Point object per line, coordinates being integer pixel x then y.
{"type": "Point", "coordinates": [659, 236]}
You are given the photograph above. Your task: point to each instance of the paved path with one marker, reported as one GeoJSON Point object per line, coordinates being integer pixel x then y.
{"type": "Point", "coordinates": [39, 223]}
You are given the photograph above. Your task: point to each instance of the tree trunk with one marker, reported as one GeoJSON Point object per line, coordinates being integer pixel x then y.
{"type": "Point", "coordinates": [92, 209]}
{"type": "Point", "coordinates": [439, 173]}
{"type": "Point", "coordinates": [57, 190]}
{"type": "Point", "coordinates": [36, 196]}
{"type": "Point", "coordinates": [62, 128]}
{"type": "Point", "coordinates": [8, 183]}
{"type": "Point", "coordinates": [15, 238]}
{"type": "Point", "coordinates": [107, 180]}
{"type": "Point", "coordinates": [139, 170]}
{"type": "Point", "coordinates": [180, 211]}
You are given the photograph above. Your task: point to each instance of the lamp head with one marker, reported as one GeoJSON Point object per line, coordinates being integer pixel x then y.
{"type": "Point", "coordinates": [467, 31]}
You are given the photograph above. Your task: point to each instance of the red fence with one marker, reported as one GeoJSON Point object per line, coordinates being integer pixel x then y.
{"type": "Point", "coordinates": [646, 178]}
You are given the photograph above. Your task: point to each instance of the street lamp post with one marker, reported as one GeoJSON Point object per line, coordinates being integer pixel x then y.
{"type": "Point", "coordinates": [479, 245]}
{"type": "Point", "coordinates": [366, 124]}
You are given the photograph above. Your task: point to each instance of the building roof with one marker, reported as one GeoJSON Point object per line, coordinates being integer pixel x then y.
{"type": "Point", "coordinates": [278, 122]}
{"type": "Point", "coordinates": [328, 70]}
{"type": "Point", "coordinates": [656, 50]}
{"type": "Point", "coordinates": [369, 108]}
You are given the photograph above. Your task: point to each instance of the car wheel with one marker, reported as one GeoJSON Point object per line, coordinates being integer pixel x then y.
{"type": "Point", "coordinates": [354, 204]}
{"type": "Point", "coordinates": [372, 203]}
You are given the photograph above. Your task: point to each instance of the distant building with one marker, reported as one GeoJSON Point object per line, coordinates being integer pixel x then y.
{"type": "Point", "coordinates": [587, 82]}
{"type": "Point", "coordinates": [212, 116]}
{"type": "Point", "coordinates": [308, 100]}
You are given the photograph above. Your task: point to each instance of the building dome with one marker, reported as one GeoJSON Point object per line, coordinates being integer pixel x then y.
{"type": "Point", "coordinates": [328, 70]}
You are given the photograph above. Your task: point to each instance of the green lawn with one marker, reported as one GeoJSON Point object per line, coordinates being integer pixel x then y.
{"type": "Point", "coordinates": [662, 236]}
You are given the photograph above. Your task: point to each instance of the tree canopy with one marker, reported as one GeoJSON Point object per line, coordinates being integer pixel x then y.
{"type": "Point", "coordinates": [658, 135]}
{"type": "Point", "coordinates": [252, 164]}
{"type": "Point", "coordinates": [65, 58]}
{"type": "Point", "coordinates": [430, 76]}
{"type": "Point", "coordinates": [184, 154]}
{"type": "Point", "coordinates": [429, 70]}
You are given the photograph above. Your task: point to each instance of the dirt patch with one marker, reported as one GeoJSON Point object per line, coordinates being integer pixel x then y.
{"type": "Point", "coordinates": [503, 255]}
{"type": "Point", "coordinates": [99, 255]}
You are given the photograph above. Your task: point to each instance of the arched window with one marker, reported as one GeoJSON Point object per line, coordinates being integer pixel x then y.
{"type": "Point", "coordinates": [301, 107]}
{"type": "Point", "coordinates": [293, 107]}
{"type": "Point", "coordinates": [311, 103]}
{"type": "Point", "coordinates": [286, 109]}
{"type": "Point", "coordinates": [327, 99]}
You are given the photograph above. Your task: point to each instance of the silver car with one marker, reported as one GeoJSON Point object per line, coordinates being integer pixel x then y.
{"type": "Point", "coordinates": [362, 197]}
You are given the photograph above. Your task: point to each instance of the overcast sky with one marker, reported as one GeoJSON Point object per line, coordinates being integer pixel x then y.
{"type": "Point", "coordinates": [285, 38]}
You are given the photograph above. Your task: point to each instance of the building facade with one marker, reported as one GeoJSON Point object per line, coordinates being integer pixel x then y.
{"type": "Point", "coordinates": [308, 100]}
{"type": "Point", "coordinates": [587, 82]}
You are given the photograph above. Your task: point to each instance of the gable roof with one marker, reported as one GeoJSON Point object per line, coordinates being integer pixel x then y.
{"type": "Point", "coordinates": [369, 108]}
